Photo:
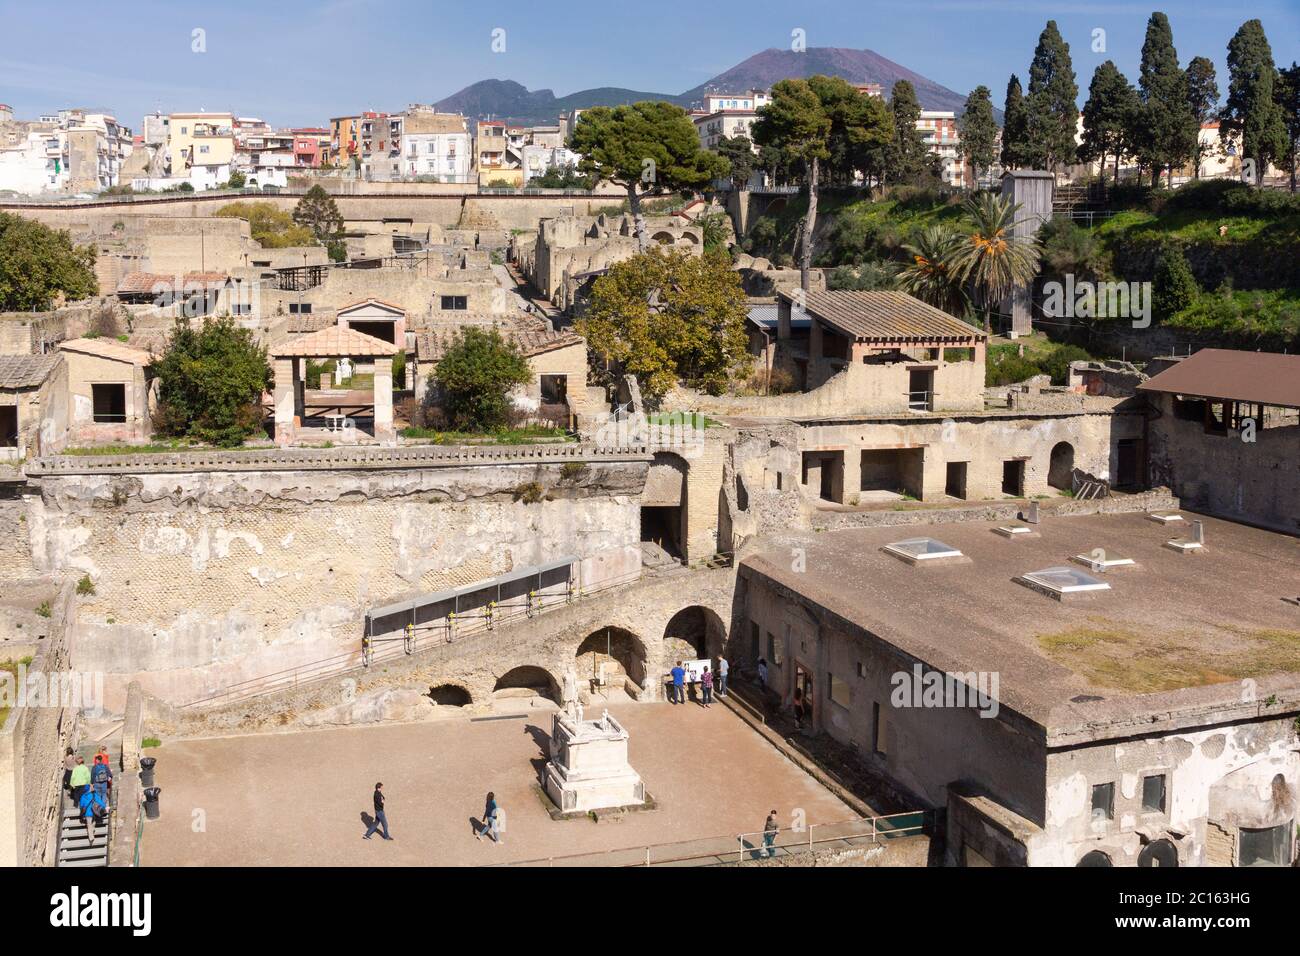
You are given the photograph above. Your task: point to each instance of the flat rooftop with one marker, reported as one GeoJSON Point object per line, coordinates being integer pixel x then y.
{"type": "Point", "coordinates": [1174, 636]}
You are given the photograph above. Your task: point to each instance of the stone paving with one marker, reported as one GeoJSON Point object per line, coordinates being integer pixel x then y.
{"type": "Point", "coordinates": [297, 799]}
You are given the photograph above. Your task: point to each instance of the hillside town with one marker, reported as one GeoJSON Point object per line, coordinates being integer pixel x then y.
{"type": "Point", "coordinates": [798, 476]}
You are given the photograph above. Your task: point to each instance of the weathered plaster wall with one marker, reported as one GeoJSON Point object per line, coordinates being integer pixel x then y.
{"type": "Point", "coordinates": [32, 742]}
{"type": "Point", "coordinates": [205, 578]}
{"type": "Point", "coordinates": [1225, 776]}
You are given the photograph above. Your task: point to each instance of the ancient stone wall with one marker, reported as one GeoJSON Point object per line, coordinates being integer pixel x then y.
{"type": "Point", "coordinates": [207, 577]}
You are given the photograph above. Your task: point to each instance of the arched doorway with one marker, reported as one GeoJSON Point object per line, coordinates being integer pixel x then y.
{"type": "Point", "coordinates": [1159, 853]}
{"type": "Point", "coordinates": [662, 238]}
{"type": "Point", "coordinates": [694, 632]}
{"type": "Point", "coordinates": [1060, 468]}
{"type": "Point", "coordinates": [615, 652]}
{"type": "Point", "coordinates": [449, 695]}
{"type": "Point", "coordinates": [1095, 858]}
{"type": "Point", "coordinates": [526, 681]}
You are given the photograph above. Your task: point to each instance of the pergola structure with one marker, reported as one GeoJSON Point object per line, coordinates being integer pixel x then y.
{"type": "Point", "coordinates": [290, 364]}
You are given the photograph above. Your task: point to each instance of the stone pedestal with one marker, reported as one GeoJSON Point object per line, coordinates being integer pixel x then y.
{"type": "Point", "coordinates": [588, 769]}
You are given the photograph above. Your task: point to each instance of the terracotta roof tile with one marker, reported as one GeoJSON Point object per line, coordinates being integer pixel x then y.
{"type": "Point", "coordinates": [26, 371]}
{"type": "Point", "coordinates": [333, 341]}
{"type": "Point", "coordinates": [109, 349]}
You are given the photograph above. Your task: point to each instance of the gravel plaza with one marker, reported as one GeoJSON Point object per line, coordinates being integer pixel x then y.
{"type": "Point", "coordinates": [297, 799]}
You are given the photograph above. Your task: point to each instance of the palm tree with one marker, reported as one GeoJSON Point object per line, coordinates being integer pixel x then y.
{"type": "Point", "coordinates": [932, 275]}
{"type": "Point", "coordinates": [991, 258]}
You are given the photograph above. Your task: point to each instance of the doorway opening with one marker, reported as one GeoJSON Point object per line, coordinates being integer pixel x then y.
{"type": "Point", "coordinates": [1013, 477]}
{"type": "Point", "coordinates": [955, 482]}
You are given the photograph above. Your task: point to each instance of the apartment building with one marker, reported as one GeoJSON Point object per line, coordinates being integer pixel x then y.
{"type": "Point", "coordinates": [200, 148]}
{"type": "Point", "coordinates": [939, 130]}
{"type": "Point", "coordinates": [74, 150]}
{"type": "Point", "coordinates": [345, 142]}
{"type": "Point", "coordinates": [310, 145]}
{"type": "Point", "coordinates": [498, 164]}
{"type": "Point", "coordinates": [436, 144]}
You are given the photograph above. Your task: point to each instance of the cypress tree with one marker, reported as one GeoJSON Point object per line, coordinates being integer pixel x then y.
{"type": "Point", "coordinates": [910, 156]}
{"type": "Point", "coordinates": [1203, 96]}
{"type": "Point", "coordinates": [1051, 102]}
{"type": "Point", "coordinates": [1251, 113]}
{"type": "Point", "coordinates": [1015, 125]}
{"type": "Point", "coordinates": [1109, 117]}
{"type": "Point", "coordinates": [979, 131]}
{"type": "Point", "coordinates": [1169, 129]}
{"type": "Point", "coordinates": [1287, 95]}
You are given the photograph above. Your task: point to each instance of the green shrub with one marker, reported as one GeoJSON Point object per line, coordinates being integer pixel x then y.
{"type": "Point", "coordinates": [85, 587]}
{"type": "Point", "coordinates": [43, 609]}
{"type": "Point", "coordinates": [475, 377]}
{"type": "Point", "coordinates": [530, 492]}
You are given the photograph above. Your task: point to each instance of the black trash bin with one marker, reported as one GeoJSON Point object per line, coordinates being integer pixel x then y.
{"type": "Point", "coordinates": [146, 771]}
{"type": "Point", "coordinates": [151, 802]}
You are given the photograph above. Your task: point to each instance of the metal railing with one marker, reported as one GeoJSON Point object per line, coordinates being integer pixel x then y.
{"type": "Point", "coordinates": [720, 850]}
{"type": "Point", "coordinates": [469, 625]}
{"type": "Point", "coordinates": [920, 401]}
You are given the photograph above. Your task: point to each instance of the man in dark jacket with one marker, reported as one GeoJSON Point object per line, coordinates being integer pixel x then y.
{"type": "Point", "coordinates": [381, 819]}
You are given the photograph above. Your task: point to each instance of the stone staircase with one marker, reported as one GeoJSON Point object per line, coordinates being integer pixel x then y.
{"type": "Point", "coordinates": [75, 850]}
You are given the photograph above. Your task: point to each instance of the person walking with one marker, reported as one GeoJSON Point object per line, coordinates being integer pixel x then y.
{"type": "Point", "coordinates": [491, 819]}
{"type": "Point", "coordinates": [101, 777]}
{"type": "Point", "coordinates": [381, 818]}
{"type": "Point", "coordinates": [679, 684]}
{"type": "Point", "coordinates": [94, 808]}
{"type": "Point", "coordinates": [706, 686]}
{"type": "Point", "coordinates": [770, 830]}
{"type": "Point", "coordinates": [69, 764]}
{"type": "Point", "coordinates": [722, 676]}
{"type": "Point", "coordinates": [80, 779]}
{"type": "Point", "coordinates": [762, 672]}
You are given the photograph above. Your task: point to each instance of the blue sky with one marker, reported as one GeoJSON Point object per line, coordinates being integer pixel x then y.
{"type": "Point", "coordinates": [298, 63]}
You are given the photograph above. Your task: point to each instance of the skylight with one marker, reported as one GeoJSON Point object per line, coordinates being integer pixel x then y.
{"type": "Point", "coordinates": [915, 550]}
{"type": "Point", "coordinates": [1099, 560]}
{"type": "Point", "coordinates": [1063, 580]}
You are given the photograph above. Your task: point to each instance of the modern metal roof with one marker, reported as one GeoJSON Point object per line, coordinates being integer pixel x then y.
{"type": "Point", "coordinates": [1266, 378]}
{"type": "Point", "coordinates": [437, 597]}
{"type": "Point", "coordinates": [883, 316]}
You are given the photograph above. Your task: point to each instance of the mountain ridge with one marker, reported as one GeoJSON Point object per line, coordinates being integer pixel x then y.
{"type": "Point", "coordinates": [512, 102]}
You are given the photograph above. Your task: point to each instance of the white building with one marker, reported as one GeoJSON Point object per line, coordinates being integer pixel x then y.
{"type": "Point", "coordinates": [538, 159]}
{"type": "Point", "coordinates": [436, 144]}
{"type": "Point", "coordinates": [74, 150]}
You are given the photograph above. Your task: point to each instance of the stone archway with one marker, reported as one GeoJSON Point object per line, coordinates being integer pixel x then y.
{"type": "Point", "coordinates": [663, 238]}
{"type": "Point", "coordinates": [1159, 853]}
{"type": "Point", "coordinates": [620, 652]}
{"type": "Point", "coordinates": [1060, 468]}
{"type": "Point", "coordinates": [526, 681]}
{"type": "Point", "coordinates": [1095, 858]}
{"type": "Point", "coordinates": [695, 632]}
{"type": "Point", "coordinates": [450, 695]}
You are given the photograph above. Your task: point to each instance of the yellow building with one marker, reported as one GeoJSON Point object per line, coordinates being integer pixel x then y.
{"type": "Point", "coordinates": [199, 139]}
{"type": "Point", "coordinates": [345, 141]}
